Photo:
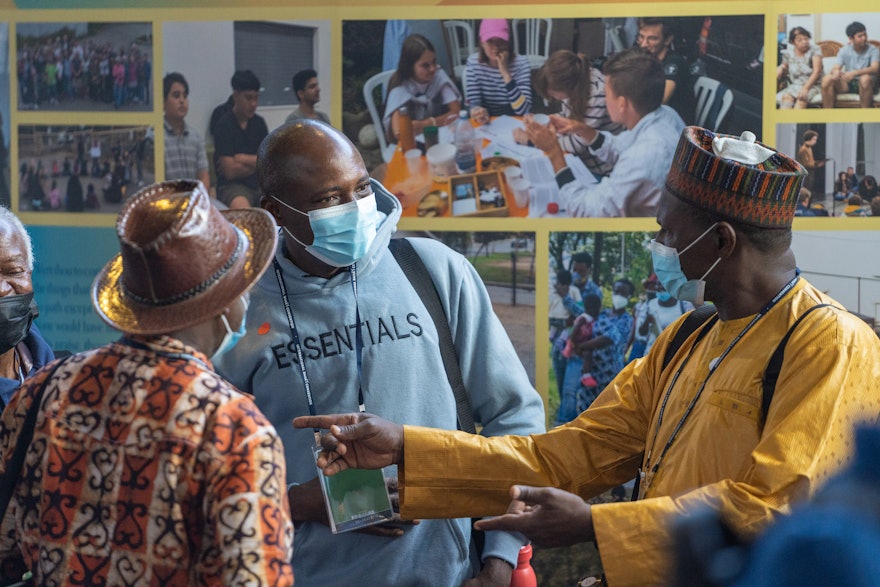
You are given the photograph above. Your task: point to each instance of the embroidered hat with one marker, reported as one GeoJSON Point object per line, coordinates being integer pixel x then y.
{"type": "Point", "coordinates": [735, 178]}
{"type": "Point", "coordinates": [494, 28]}
{"type": "Point", "coordinates": [181, 261]}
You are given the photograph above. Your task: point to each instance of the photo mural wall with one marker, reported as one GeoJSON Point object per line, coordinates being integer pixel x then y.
{"type": "Point", "coordinates": [84, 127]}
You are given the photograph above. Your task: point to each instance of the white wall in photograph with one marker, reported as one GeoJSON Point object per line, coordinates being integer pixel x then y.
{"type": "Point", "coordinates": [843, 264]}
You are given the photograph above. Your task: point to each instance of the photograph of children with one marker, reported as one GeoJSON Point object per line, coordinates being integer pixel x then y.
{"type": "Point", "coordinates": [259, 74]}
{"type": "Point", "coordinates": [828, 60]}
{"type": "Point", "coordinates": [601, 289]}
{"type": "Point", "coordinates": [843, 165]}
{"type": "Point", "coordinates": [5, 199]}
{"type": "Point", "coordinates": [505, 261]}
{"type": "Point", "coordinates": [88, 66]}
{"type": "Point", "coordinates": [82, 168]}
{"type": "Point", "coordinates": [528, 98]}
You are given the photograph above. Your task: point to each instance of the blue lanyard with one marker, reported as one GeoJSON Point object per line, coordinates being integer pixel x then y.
{"type": "Point", "coordinates": [713, 366]}
{"type": "Point", "coordinates": [298, 349]}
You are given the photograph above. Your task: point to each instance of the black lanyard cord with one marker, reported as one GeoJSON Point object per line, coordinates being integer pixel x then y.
{"type": "Point", "coordinates": [713, 366]}
{"type": "Point", "coordinates": [298, 349]}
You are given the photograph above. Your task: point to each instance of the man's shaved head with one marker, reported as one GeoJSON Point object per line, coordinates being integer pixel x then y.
{"type": "Point", "coordinates": [294, 150]}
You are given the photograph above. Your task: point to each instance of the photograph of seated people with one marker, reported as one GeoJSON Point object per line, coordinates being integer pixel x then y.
{"type": "Point", "coordinates": [291, 79]}
{"type": "Point", "coordinates": [308, 91]}
{"type": "Point", "coordinates": [828, 60]}
{"type": "Point", "coordinates": [856, 70]}
{"type": "Point", "coordinates": [799, 71]}
{"type": "Point", "coordinates": [641, 155]}
{"type": "Point", "coordinates": [699, 431]}
{"type": "Point", "coordinates": [420, 92]}
{"type": "Point", "coordinates": [657, 37]}
{"type": "Point", "coordinates": [185, 156]}
{"type": "Point", "coordinates": [842, 187]}
{"type": "Point", "coordinates": [238, 133]}
{"type": "Point", "coordinates": [82, 168]}
{"type": "Point", "coordinates": [571, 79]}
{"type": "Point", "coordinates": [499, 73]}
{"type": "Point", "coordinates": [840, 161]}
{"type": "Point", "coordinates": [498, 79]}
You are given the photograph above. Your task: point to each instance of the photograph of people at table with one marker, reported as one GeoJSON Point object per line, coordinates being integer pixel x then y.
{"type": "Point", "coordinates": [513, 117]}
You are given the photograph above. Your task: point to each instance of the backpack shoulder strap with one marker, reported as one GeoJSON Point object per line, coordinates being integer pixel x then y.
{"type": "Point", "coordinates": [693, 321]}
{"type": "Point", "coordinates": [771, 374]}
{"type": "Point", "coordinates": [415, 270]}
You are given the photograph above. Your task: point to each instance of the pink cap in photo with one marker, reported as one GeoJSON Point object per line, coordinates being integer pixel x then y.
{"type": "Point", "coordinates": [494, 28]}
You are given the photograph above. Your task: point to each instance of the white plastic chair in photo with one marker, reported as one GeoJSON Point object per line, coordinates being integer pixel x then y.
{"type": "Point", "coordinates": [535, 46]}
{"type": "Point", "coordinates": [460, 40]}
{"type": "Point", "coordinates": [379, 81]}
{"type": "Point", "coordinates": [714, 100]}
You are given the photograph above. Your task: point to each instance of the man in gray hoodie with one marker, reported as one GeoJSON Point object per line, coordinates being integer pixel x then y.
{"type": "Point", "coordinates": [367, 339]}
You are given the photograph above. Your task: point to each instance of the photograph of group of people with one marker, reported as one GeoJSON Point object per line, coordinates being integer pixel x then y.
{"type": "Point", "coordinates": [842, 162]}
{"type": "Point", "coordinates": [82, 168]}
{"type": "Point", "coordinates": [84, 66]}
{"type": "Point", "coordinates": [544, 143]}
{"type": "Point", "coordinates": [829, 60]}
{"type": "Point", "coordinates": [603, 98]}
{"type": "Point", "coordinates": [606, 304]}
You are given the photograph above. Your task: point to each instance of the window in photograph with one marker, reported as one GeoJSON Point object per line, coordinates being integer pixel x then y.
{"type": "Point", "coordinates": [272, 50]}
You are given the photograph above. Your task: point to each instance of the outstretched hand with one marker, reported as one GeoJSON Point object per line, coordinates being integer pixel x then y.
{"type": "Point", "coordinates": [356, 441]}
{"type": "Point", "coordinates": [543, 136]}
{"type": "Point", "coordinates": [548, 516]}
{"type": "Point", "coordinates": [571, 126]}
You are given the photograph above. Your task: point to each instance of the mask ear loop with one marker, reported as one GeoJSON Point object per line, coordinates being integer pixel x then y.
{"type": "Point", "coordinates": [718, 260]}
{"type": "Point", "coordinates": [287, 230]}
{"type": "Point", "coordinates": [242, 298]}
{"type": "Point", "coordinates": [696, 240]}
{"type": "Point", "coordinates": [226, 324]}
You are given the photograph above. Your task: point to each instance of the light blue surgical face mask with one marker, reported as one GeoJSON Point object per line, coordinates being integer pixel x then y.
{"type": "Point", "coordinates": [342, 234]}
{"type": "Point", "coordinates": [231, 338]}
{"type": "Point", "coordinates": [667, 266]}
{"type": "Point", "coordinates": [664, 296]}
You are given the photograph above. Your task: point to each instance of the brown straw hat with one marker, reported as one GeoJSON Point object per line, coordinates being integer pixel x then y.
{"type": "Point", "coordinates": [181, 260]}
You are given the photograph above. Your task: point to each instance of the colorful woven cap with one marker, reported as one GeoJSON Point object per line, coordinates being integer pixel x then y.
{"type": "Point", "coordinates": [735, 177]}
{"type": "Point", "coordinates": [182, 261]}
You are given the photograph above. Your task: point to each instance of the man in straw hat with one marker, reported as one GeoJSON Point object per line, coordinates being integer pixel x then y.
{"type": "Point", "coordinates": [693, 430]}
{"type": "Point", "coordinates": [338, 298]}
{"type": "Point", "coordinates": [146, 467]}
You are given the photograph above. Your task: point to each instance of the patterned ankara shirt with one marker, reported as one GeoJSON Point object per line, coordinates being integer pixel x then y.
{"type": "Point", "coordinates": [146, 468]}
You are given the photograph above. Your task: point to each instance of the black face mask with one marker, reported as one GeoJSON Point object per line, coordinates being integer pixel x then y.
{"type": "Point", "coordinates": [17, 313]}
